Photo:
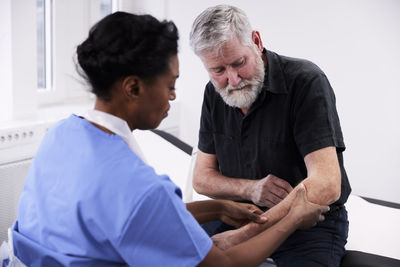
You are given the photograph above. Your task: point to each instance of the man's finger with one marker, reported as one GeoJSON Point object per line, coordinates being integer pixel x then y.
{"type": "Point", "coordinates": [282, 184]}
{"type": "Point", "coordinates": [273, 198]}
{"type": "Point", "coordinates": [279, 192]}
{"type": "Point", "coordinates": [267, 203]}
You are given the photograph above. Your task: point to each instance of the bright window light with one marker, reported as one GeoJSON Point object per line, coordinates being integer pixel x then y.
{"type": "Point", "coordinates": [107, 7]}
{"type": "Point", "coordinates": [44, 44]}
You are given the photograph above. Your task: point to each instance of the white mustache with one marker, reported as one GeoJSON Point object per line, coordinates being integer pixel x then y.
{"type": "Point", "coordinates": [239, 86]}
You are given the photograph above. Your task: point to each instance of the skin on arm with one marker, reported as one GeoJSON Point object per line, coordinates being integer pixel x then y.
{"type": "Point", "coordinates": [230, 212]}
{"type": "Point", "coordinates": [207, 180]}
{"type": "Point", "coordinates": [252, 252]}
{"type": "Point", "coordinates": [231, 238]}
{"type": "Point", "coordinates": [323, 187]}
{"type": "Point", "coordinates": [323, 176]}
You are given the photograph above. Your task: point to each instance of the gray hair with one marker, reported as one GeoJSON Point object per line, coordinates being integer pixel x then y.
{"type": "Point", "coordinates": [218, 24]}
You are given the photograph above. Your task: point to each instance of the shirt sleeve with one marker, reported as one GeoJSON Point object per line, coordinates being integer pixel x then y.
{"type": "Point", "coordinates": [206, 139]}
{"type": "Point", "coordinates": [161, 232]}
{"type": "Point", "coordinates": [316, 122]}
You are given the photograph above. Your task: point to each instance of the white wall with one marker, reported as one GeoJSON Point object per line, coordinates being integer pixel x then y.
{"type": "Point", "coordinates": [17, 59]}
{"type": "Point", "coordinates": [5, 61]}
{"type": "Point", "coordinates": [356, 43]}
{"type": "Point", "coordinates": [21, 99]}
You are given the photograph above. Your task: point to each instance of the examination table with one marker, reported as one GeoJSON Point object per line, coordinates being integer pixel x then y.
{"type": "Point", "coordinates": [374, 230]}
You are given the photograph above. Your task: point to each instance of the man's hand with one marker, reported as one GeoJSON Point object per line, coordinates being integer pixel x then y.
{"type": "Point", "coordinates": [269, 191]}
{"type": "Point", "coordinates": [239, 214]}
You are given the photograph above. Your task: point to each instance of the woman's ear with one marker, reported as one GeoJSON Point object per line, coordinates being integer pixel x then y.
{"type": "Point", "coordinates": [131, 87]}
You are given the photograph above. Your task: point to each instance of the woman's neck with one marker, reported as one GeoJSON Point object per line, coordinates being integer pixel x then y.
{"type": "Point", "coordinates": [115, 109]}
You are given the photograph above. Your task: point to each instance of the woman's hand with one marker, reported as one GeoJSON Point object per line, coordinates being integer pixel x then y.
{"type": "Point", "coordinates": [228, 239]}
{"type": "Point", "coordinates": [239, 214]}
{"type": "Point", "coordinates": [305, 213]}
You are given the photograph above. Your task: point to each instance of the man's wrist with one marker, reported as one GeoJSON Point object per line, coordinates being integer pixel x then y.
{"type": "Point", "coordinates": [247, 189]}
{"type": "Point", "coordinates": [251, 230]}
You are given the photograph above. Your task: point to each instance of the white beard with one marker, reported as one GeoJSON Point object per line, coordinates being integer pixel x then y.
{"type": "Point", "coordinates": [234, 96]}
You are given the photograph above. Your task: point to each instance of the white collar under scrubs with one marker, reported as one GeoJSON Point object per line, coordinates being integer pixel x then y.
{"type": "Point", "coordinates": [117, 126]}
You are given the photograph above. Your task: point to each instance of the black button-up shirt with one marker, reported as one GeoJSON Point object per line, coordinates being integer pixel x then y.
{"type": "Point", "coordinates": [294, 115]}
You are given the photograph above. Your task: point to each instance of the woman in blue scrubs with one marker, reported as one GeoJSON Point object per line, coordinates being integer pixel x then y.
{"type": "Point", "coordinates": [90, 198]}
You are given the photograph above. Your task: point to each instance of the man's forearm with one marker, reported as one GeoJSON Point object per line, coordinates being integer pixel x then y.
{"type": "Point", "coordinates": [324, 178]}
{"type": "Point", "coordinates": [213, 184]}
{"type": "Point", "coordinates": [317, 191]}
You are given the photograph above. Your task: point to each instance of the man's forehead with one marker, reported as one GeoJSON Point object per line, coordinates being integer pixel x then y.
{"type": "Point", "coordinates": [224, 55]}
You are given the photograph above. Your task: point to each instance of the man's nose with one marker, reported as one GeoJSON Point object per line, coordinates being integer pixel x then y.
{"type": "Point", "coordinates": [233, 77]}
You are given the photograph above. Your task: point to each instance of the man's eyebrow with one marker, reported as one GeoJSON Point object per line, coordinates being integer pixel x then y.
{"type": "Point", "coordinates": [236, 61]}
{"type": "Point", "coordinates": [239, 60]}
{"type": "Point", "coordinates": [215, 68]}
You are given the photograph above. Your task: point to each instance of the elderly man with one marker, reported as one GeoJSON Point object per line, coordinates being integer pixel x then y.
{"type": "Point", "coordinates": [268, 122]}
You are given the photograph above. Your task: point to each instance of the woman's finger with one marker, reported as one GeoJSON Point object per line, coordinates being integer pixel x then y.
{"type": "Point", "coordinates": [257, 218]}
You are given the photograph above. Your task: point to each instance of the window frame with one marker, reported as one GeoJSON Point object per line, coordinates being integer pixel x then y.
{"type": "Point", "coordinates": [74, 17]}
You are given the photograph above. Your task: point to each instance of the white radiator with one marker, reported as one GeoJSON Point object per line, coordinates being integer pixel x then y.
{"type": "Point", "coordinates": [18, 145]}
{"type": "Point", "coordinates": [12, 178]}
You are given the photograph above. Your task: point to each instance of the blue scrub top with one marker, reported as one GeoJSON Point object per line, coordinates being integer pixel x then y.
{"type": "Point", "coordinates": [90, 201]}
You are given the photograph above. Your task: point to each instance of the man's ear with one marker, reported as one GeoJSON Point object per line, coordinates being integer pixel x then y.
{"type": "Point", "coordinates": [131, 86]}
{"type": "Point", "coordinates": [255, 36]}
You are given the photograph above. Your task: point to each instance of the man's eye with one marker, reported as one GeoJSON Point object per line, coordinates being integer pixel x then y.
{"type": "Point", "coordinates": [238, 64]}
{"type": "Point", "coordinates": [219, 70]}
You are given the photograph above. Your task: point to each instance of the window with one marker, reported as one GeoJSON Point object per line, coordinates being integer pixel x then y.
{"type": "Point", "coordinates": [44, 44]}
{"type": "Point", "coordinates": [106, 7]}
{"type": "Point", "coordinates": [61, 26]}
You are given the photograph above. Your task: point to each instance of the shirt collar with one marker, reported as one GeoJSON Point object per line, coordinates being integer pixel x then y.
{"type": "Point", "coordinates": [274, 79]}
{"type": "Point", "coordinates": [116, 125]}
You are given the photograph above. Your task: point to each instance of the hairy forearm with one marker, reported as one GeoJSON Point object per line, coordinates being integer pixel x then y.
{"type": "Point", "coordinates": [212, 183]}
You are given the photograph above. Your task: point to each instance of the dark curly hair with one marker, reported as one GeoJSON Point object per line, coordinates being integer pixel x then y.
{"type": "Point", "coordinates": [124, 44]}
